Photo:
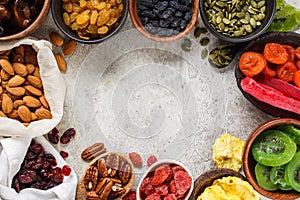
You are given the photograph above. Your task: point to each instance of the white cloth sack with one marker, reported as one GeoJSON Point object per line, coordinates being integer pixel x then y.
{"type": "Point", "coordinates": [54, 90]}
{"type": "Point", "coordinates": [12, 154]}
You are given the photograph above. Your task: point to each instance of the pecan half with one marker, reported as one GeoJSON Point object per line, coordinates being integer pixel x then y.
{"type": "Point", "coordinates": [117, 193]}
{"type": "Point", "coordinates": [103, 188]}
{"type": "Point", "coordinates": [112, 162]}
{"type": "Point", "coordinates": [125, 173]}
{"type": "Point", "coordinates": [101, 165]}
{"type": "Point", "coordinates": [92, 195]}
{"type": "Point", "coordinates": [91, 178]}
{"type": "Point", "coordinates": [93, 151]}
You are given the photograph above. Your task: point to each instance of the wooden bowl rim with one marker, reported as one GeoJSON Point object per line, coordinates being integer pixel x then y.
{"type": "Point", "coordinates": [32, 27]}
{"type": "Point", "coordinates": [137, 23]}
{"type": "Point", "coordinates": [210, 176]}
{"type": "Point", "coordinates": [81, 191]}
{"type": "Point", "coordinates": [281, 195]}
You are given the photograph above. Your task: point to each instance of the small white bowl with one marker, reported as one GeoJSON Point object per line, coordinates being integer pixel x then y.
{"type": "Point", "coordinates": [159, 163]}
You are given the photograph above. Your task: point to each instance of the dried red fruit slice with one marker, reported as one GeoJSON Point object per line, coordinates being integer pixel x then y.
{"type": "Point", "coordinates": [144, 183]}
{"type": "Point", "coordinates": [149, 189]}
{"type": "Point", "coordinates": [67, 136]}
{"type": "Point", "coordinates": [151, 160]}
{"type": "Point", "coordinates": [170, 197]}
{"type": "Point", "coordinates": [183, 182]}
{"type": "Point", "coordinates": [161, 174]}
{"type": "Point", "coordinates": [177, 168]}
{"type": "Point", "coordinates": [172, 187]}
{"type": "Point", "coordinates": [136, 159]}
{"type": "Point", "coordinates": [162, 189]}
{"type": "Point", "coordinates": [131, 195]}
{"type": "Point", "coordinates": [153, 196]}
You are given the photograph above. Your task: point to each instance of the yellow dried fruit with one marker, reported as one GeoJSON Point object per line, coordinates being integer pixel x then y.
{"type": "Point", "coordinates": [66, 18]}
{"type": "Point", "coordinates": [94, 17]}
{"type": "Point", "coordinates": [111, 21]}
{"type": "Point", "coordinates": [67, 7]}
{"type": "Point", "coordinates": [104, 16]}
{"type": "Point", "coordinates": [83, 17]}
{"type": "Point", "coordinates": [103, 30]}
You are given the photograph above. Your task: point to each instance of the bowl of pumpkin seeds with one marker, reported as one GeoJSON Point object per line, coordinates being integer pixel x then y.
{"type": "Point", "coordinates": [237, 20]}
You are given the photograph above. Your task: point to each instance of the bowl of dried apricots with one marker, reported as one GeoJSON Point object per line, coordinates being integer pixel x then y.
{"type": "Point", "coordinates": [88, 21]}
{"type": "Point", "coordinates": [268, 74]}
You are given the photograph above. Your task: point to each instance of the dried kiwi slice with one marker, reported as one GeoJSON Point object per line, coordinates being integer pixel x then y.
{"type": "Point", "coordinates": [293, 132]}
{"type": "Point", "coordinates": [292, 172]}
{"type": "Point", "coordinates": [277, 177]}
{"type": "Point", "coordinates": [262, 175]}
{"type": "Point", "coordinates": [273, 148]}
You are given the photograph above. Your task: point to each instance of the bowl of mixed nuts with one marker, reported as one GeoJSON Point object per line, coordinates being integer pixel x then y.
{"type": "Point", "coordinates": [108, 176]}
{"type": "Point", "coordinates": [20, 18]}
{"type": "Point", "coordinates": [237, 21]}
{"type": "Point", "coordinates": [89, 21]}
{"type": "Point", "coordinates": [164, 21]}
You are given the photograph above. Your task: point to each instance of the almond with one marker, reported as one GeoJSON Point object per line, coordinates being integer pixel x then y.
{"type": "Point", "coordinates": [4, 84]}
{"type": "Point", "coordinates": [2, 114]}
{"type": "Point", "coordinates": [33, 116]}
{"type": "Point", "coordinates": [4, 75]}
{"type": "Point", "coordinates": [1, 90]}
{"type": "Point", "coordinates": [18, 103]}
{"type": "Point", "coordinates": [16, 81]}
{"type": "Point", "coordinates": [31, 102]}
{"type": "Point", "coordinates": [56, 39]}
{"type": "Point", "coordinates": [33, 90]}
{"type": "Point", "coordinates": [44, 101]}
{"type": "Point", "coordinates": [24, 113]}
{"type": "Point", "coordinates": [20, 69]}
{"type": "Point", "coordinates": [7, 104]}
{"type": "Point", "coordinates": [36, 72]}
{"type": "Point", "coordinates": [13, 114]}
{"type": "Point", "coordinates": [30, 68]}
{"type": "Point", "coordinates": [69, 47]}
{"type": "Point", "coordinates": [26, 124]}
{"type": "Point", "coordinates": [17, 91]}
{"type": "Point", "coordinates": [43, 113]}
{"type": "Point", "coordinates": [61, 63]}
{"type": "Point", "coordinates": [36, 82]}
{"type": "Point", "coordinates": [5, 64]}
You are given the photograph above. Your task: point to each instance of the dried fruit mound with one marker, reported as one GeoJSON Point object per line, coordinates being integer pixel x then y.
{"type": "Point", "coordinates": [168, 181]}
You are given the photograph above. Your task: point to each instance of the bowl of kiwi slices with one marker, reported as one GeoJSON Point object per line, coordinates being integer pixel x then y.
{"type": "Point", "coordinates": [271, 159]}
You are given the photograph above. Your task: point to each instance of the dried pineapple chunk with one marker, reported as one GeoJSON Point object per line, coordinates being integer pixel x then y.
{"type": "Point", "coordinates": [228, 152]}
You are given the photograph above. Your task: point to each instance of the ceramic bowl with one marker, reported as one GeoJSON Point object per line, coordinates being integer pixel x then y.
{"type": "Point", "coordinates": [207, 178]}
{"type": "Point", "coordinates": [157, 164]}
{"type": "Point", "coordinates": [269, 14]}
{"type": "Point", "coordinates": [33, 26]}
{"type": "Point", "coordinates": [288, 38]}
{"type": "Point", "coordinates": [133, 10]}
{"type": "Point", "coordinates": [249, 162]}
{"type": "Point", "coordinates": [81, 190]}
{"type": "Point", "coordinates": [57, 14]}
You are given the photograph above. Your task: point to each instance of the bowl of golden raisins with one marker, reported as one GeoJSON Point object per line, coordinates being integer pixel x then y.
{"type": "Point", "coordinates": [89, 21]}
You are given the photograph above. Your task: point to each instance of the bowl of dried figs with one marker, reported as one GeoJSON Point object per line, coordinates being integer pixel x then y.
{"type": "Point", "coordinates": [20, 18]}
{"type": "Point", "coordinates": [108, 176]}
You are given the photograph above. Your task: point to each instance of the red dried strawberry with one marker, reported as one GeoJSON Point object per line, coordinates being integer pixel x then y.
{"type": "Point", "coordinates": [162, 189]}
{"type": "Point", "coordinates": [183, 182]}
{"type": "Point", "coordinates": [149, 189]}
{"type": "Point", "coordinates": [131, 195]}
{"type": "Point", "coordinates": [136, 159]}
{"type": "Point", "coordinates": [153, 196]}
{"type": "Point", "coordinates": [161, 174]}
{"type": "Point", "coordinates": [151, 159]}
{"type": "Point", "coordinates": [172, 187]}
{"type": "Point", "coordinates": [144, 183]}
{"type": "Point", "coordinates": [170, 197]}
{"type": "Point", "coordinates": [177, 168]}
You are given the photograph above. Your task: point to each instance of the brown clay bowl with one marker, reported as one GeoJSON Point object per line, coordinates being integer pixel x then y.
{"type": "Point", "coordinates": [138, 24]}
{"type": "Point", "coordinates": [33, 26]}
{"type": "Point", "coordinates": [249, 162]}
{"type": "Point", "coordinates": [81, 190]}
{"type": "Point", "coordinates": [288, 38]}
{"type": "Point", "coordinates": [207, 178]}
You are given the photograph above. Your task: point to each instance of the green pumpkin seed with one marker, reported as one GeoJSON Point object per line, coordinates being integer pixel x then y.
{"type": "Point", "coordinates": [248, 28]}
{"type": "Point", "coordinates": [204, 41]}
{"type": "Point", "coordinates": [253, 4]}
{"type": "Point", "coordinates": [263, 9]}
{"type": "Point", "coordinates": [238, 33]}
{"type": "Point", "coordinates": [253, 22]}
{"type": "Point", "coordinates": [261, 4]}
{"type": "Point", "coordinates": [244, 21]}
{"type": "Point", "coordinates": [226, 21]}
{"type": "Point", "coordinates": [221, 4]}
{"type": "Point", "coordinates": [204, 53]}
{"type": "Point", "coordinates": [219, 20]}
{"type": "Point", "coordinates": [212, 56]}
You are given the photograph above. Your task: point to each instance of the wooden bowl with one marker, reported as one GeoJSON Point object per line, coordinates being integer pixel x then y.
{"type": "Point", "coordinates": [81, 190]}
{"type": "Point", "coordinates": [249, 162]}
{"type": "Point", "coordinates": [157, 164]}
{"type": "Point", "coordinates": [207, 178]}
{"type": "Point", "coordinates": [33, 26]}
{"type": "Point", "coordinates": [289, 38]}
{"type": "Point", "coordinates": [138, 24]}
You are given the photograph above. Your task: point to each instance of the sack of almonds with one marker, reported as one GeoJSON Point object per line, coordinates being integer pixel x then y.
{"type": "Point", "coordinates": [32, 89]}
{"type": "Point", "coordinates": [33, 169]}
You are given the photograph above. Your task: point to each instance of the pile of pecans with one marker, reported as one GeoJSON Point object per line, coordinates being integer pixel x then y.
{"type": "Point", "coordinates": [108, 177]}
{"type": "Point", "coordinates": [21, 90]}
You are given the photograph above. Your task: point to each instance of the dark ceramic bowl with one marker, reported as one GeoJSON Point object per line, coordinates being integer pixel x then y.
{"type": "Point", "coordinates": [249, 162]}
{"type": "Point", "coordinates": [57, 12]}
{"type": "Point", "coordinates": [139, 26]}
{"type": "Point", "coordinates": [207, 178]}
{"type": "Point", "coordinates": [289, 38]}
{"type": "Point", "coordinates": [33, 26]}
{"type": "Point", "coordinates": [269, 14]}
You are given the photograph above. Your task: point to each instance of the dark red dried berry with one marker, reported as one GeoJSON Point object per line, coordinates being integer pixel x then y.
{"type": "Point", "coordinates": [45, 174]}
{"type": "Point", "coordinates": [66, 170]}
{"type": "Point", "coordinates": [30, 155]}
{"type": "Point", "coordinates": [151, 159]}
{"type": "Point", "coordinates": [64, 154]}
{"type": "Point", "coordinates": [36, 148]}
{"type": "Point", "coordinates": [57, 176]}
{"type": "Point", "coordinates": [68, 135]}
{"type": "Point", "coordinates": [53, 136]}
{"type": "Point", "coordinates": [136, 159]}
{"type": "Point", "coordinates": [27, 176]}
{"type": "Point", "coordinates": [49, 157]}
{"type": "Point", "coordinates": [16, 184]}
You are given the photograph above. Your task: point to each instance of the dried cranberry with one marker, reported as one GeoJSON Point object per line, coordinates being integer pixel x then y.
{"type": "Point", "coordinates": [151, 159]}
{"type": "Point", "coordinates": [64, 154]}
{"type": "Point", "coordinates": [28, 164]}
{"type": "Point", "coordinates": [37, 166]}
{"type": "Point", "coordinates": [27, 176]}
{"type": "Point", "coordinates": [49, 157]}
{"type": "Point", "coordinates": [53, 136]}
{"type": "Point", "coordinates": [36, 185]}
{"type": "Point", "coordinates": [36, 148]}
{"type": "Point", "coordinates": [46, 164]}
{"type": "Point", "coordinates": [57, 175]}
{"type": "Point", "coordinates": [16, 184]}
{"type": "Point", "coordinates": [68, 135]}
{"type": "Point", "coordinates": [45, 174]}
{"type": "Point", "coordinates": [66, 170]}
{"type": "Point", "coordinates": [30, 155]}
{"type": "Point", "coordinates": [49, 185]}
